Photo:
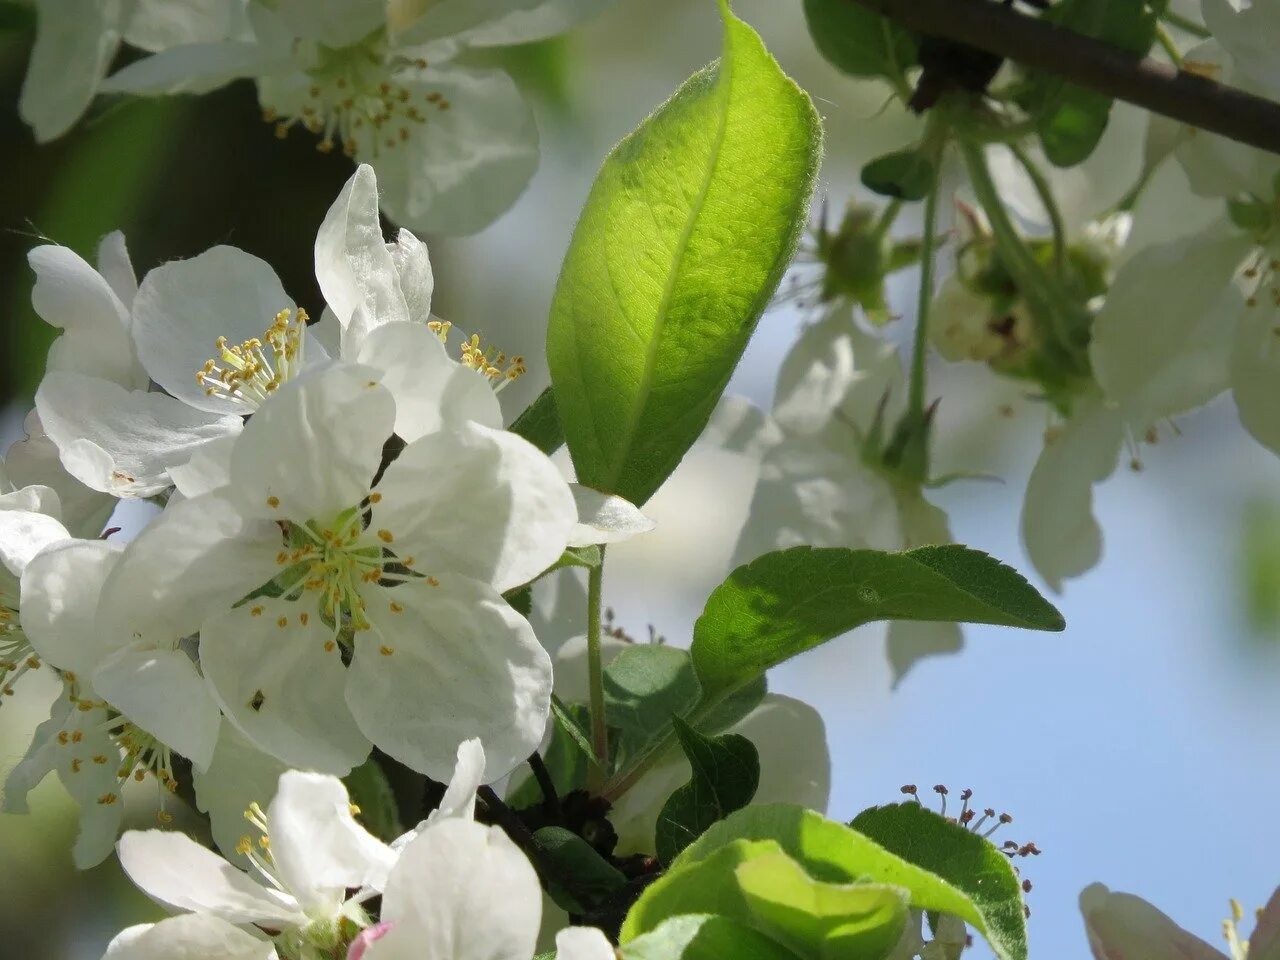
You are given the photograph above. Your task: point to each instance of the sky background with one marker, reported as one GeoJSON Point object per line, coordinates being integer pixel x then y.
{"type": "Point", "coordinates": [1137, 748]}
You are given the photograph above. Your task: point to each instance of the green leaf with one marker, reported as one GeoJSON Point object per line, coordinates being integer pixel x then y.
{"type": "Point", "coordinates": [566, 758]}
{"type": "Point", "coordinates": [1069, 119]}
{"type": "Point", "coordinates": [573, 725]}
{"type": "Point", "coordinates": [789, 601]}
{"type": "Point", "coordinates": [704, 937]}
{"type": "Point", "coordinates": [521, 600]}
{"type": "Point", "coordinates": [687, 231]}
{"type": "Point", "coordinates": [726, 773]}
{"type": "Point", "coordinates": [828, 851]}
{"type": "Point", "coordinates": [369, 790]}
{"type": "Point", "coordinates": [904, 174]}
{"type": "Point", "coordinates": [594, 878]}
{"type": "Point", "coordinates": [825, 921]}
{"type": "Point", "coordinates": [644, 686]}
{"type": "Point", "coordinates": [857, 41]}
{"type": "Point", "coordinates": [962, 858]}
{"type": "Point", "coordinates": [540, 423]}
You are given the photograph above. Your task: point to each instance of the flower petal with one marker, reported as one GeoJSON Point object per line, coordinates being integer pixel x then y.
{"type": "Point", "coordinates": [25, 526]}
{"type": "Point", "coordinates": [469, 163]}
{"type": "Point", "coordinates": [43, 756]}
{"type": "Point", "coordinates": [196, 68]}
{"type": "Point", "coordinates": [239, 775]}
{"type": "Point", "coordinates": [160, 24]}
{"type": "Point", "coordinates": [177, 872]}
{"type": "Point", "coordinates": [208, 470]}
{"type": "Point", "coordinates": [583, 943]}
{"type": "Point", "coordinates": [116, 268]}
{"type": "Point", "coordinates": [605, 518]}
{"type": "Point", "coordinates": [443, 664]}
{"type": "Point", "coordinates": [312, 452]}
{"type": "Point", "coordinates": [1255, 373]}
{"type": "Point", "coordinates": [191, 936]}
{"type": "Point", "coordinates": [334, 23]}
{"type": "Point", "coordinates": [477, 501]}
{"type": "Point", "coordinates": [184, 307]}
{"type": "Point", "coordinates": [60, 591]}
{"type": "Point", "coordinates": [75, 41]}
{"type": "Point", "coordinates": [1058, 528]}
{"type": "Point", "coordinates": [432, 391]}
{"type": "Point", "coordinates": [72, 296]}
{"type": "Point", "coordinates": [460, 891]}
{"type": "Point", "coordinates": [119, 441]}
{"type": "Point", "coordinates": [1121, 926]}
{"type": "Point", "coordinates": [413, 268]}
{"type": "Point", "coordinates": [279, 676]}
{"type": "Point", "coordinates": [34, 460]}
{"type": "Point", "coordinates": [316, 844]}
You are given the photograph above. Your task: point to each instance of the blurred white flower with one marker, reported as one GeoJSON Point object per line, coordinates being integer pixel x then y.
{"type": "Point", "coordinates": [384, 620]}
{"type": "Point", "coordinates": [454, 145]}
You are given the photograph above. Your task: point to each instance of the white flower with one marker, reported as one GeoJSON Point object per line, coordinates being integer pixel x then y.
{"type": "Point", "coordinates": [306, 851]}
{"type": "Point", "coordinates": [386, 620]}
{"type": "Point", "coordinates": [76, 41]}
{"type": "Point", "coordinates": [1122, 926]}
{"type": "Point", "coordinates": [34, 461]}
{"type": "Point", "coordinates": [822, 481]}
{"type": "Point", "coordinates": [454, 145]}
{"type": "Point", "coordinates": [463, 891]}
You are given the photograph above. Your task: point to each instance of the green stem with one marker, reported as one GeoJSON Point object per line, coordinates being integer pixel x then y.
{"type": "Point", "coordinates": [1166, 42]}
{"type": "Point", "coordinates": [887, 218]}
{"type": "Point", "coordinates": [595, 679]}
{"type": "Point", "coordinates": [915, 409]}
{"type": "Point", "coordinates": [1184, 24]}
{"type": "Point", "coordinates": [1045, 193]}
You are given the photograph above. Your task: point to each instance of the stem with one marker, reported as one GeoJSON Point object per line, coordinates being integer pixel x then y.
{"type": "Point", "coordinates": [523, 838]}
{"type": "Point", "coordinates": [550, 797]}
{"type": "Point", "coordinates": [1179, 22]}
{"type": "Point", "coordinates": [595, 678]}
{"type": "Point", "coordinates": [887, 218]}
{"type": "Point", "coordinates": [915, 408]}
{"type": "Point", "coordinates": [1093, 64]}
{"type": "Point", "coordinates": [1045, 192]}
{"type": "Point", "coordinates": [1167, 44]}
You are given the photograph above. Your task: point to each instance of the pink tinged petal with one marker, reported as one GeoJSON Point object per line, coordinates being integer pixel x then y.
{"type": "Point", "coordinates": [192, 936]}
{"type": "Point", "coordinates": [317, 846]}
{"type": "Point", "coordinates": [443, 664]}
{"type": "Point", "coordinates": [1058, 527]}
{"type": "Point", "coordinates": [432, 391]}
{"type": "Point", "coordinates": [1121, 926]}
{"type": "Point", "coordinates": [60, 591]}
{"type": "Point", "coordinates": [72, 296]}
{"type": "Point", "coordinates": [1264, 944]}
{"type": "Point", "coordinates": [361, 943]}
{"type": "Point", "coordinates": [194, 560]}
{"type": "Point", "coordinates": [183, 307]}
{"type": "Point", "coordinates": [583, 943]}
{"type": "Point", "coordinates": [605, 518]}
{"type": "Point", "coordinates": [460, 891]}
{"type": "Point", "coordinates": [356, 271]}
{"type": "Point", "coordinates": [277, 671]}
{"type": "Point", "coordinates": [178, 873]}
{"type": "Point", "coordinates": [119, 441]}
{"type": "Point", "coordinates": [161, 691]}
{"type": "Point", "coordinates": [313, 451]}
{"type": "Point", "coordinates": [484, 503]}
{"type": "Point", "coordinates": [469, 164]}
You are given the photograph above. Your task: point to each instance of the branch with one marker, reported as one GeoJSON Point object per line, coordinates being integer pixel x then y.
{"type": "Point", "coordinates": [1090, 63]}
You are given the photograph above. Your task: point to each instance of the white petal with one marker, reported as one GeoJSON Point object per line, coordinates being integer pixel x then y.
{"type": "Point", "coordinates": [477, 501]}
{"type": "Point", "coordinates": [816, 373]}
{"type": "Point", "coordinates": [93, 782]}
{"type": "Point", "coordinates": [432, 391]}
{"type": "Point", "coordinates": [60, 591]}
{"type": "Point", "coordinates": [467, 165]}
{"type": "Point", "coordinates": [1121, 926]}
{"type": "Point", "coordinates": [24, 532]}
{"type": "Point", "coordinates": [413, 267]}
{"type": "Point", "coordinates": [196, 68]}
{"type": "Point", "coordinates": [174, 870]}
{"type": "Point", "coordinates": [355, 269]}
{"type": "Point", "coordinates": [908, 641]}
{"type": "Point", "coordinates": [160, 24]}
{"type": "Point", "coordinates": [72, 296]}
{"type": "Point", "coordinates": [42, 757]}
{"type": "Point", "coordinates": [1247, 32]}
{"type": "Point", "coordinates": [1255, 373]}
{"type": "Point", "coordinates": [195, 559]}
{"type": "Point", "coordinates": [163, 693]}
{"type": "Point", "coordinates": [605, 518]}
{"type": "Point", "coordinates": [281, 686]}
{"type": "Point", "coordinates": [119, 441]}
{"type": "Point", "coordinates": [191, 936]}
{"type": "Point", "coordinates": [413, 22]}
{"type": "Point", "coordinates": [208, 470]}
{"type": "Point", "coordinates": [316, 844]}
{"type": "Point", "coordinates": [544, 19]}
{"type": "Point", "coordinates": [334, 23]}
{"type": "Point", "coordinates": [739, 426]}
{"type": "Point", "coordinates": [1058, 528]}
{"type": "Point", "coordinates": [460, 891]}
{"type": "Point", "coordinates": [239, 775]}
{"type": "Point", "coordinates": [34, 460]}
{"type": "Point", "coordinates": [312, 451]}
{"type": "Point", "coordinates": [75, 41]}
{"type": "Point", "coordinates": [583, 943]}
{"type": "Point", "coordinates": [116, 268]}
{"type": "Point", "coordinates": [183, 307]}
{"type": "Point", "coordinates": [461, 664]}
{"type": "Point", "coordinates": [1161, 342]}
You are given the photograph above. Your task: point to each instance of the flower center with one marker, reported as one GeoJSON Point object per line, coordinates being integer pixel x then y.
{"type": "Point", "coordinates": [1238, 947]}
{"type": "Point", "coordinates": [17, 656]}
{"type": "Point", "coordinates": [353, 100]}
{"type": "Point", "coordinates": [491, 363]}
{"type": "Point", "coordinates": [248, 373]}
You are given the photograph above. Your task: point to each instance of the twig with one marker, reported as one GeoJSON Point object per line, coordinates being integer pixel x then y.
{"type": "Point", "coordinates": [1091, 63]}
{"type": "Point", "coordinates": [550, 798]}
{"type": "Point", "coordinates": [523, 838]}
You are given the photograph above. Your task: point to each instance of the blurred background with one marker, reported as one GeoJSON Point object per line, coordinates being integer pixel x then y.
{"type": "Point", "coordinates": [1138, 748]}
